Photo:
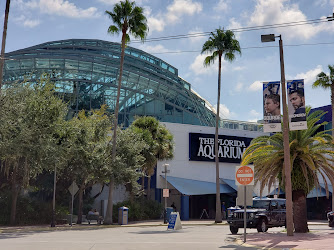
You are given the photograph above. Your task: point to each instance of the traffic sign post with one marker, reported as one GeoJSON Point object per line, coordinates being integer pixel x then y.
{"type": "Point", "coordinates": [244, 176]}
{"type": "Point", "coordinates": [73, 190]}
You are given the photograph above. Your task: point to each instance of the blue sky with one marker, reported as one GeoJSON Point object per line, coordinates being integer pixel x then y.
{"type": "Point", "coordinates": [36, 21]}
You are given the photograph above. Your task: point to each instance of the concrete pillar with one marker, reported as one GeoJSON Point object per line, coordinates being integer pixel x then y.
{"type": "Point", "coordinates": [184, 207]}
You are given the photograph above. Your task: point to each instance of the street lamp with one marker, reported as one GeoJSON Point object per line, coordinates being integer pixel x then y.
{"type": "Point", "coordinates": [165, 171]}
{"type": "Point", "coordinates": [287, 163]}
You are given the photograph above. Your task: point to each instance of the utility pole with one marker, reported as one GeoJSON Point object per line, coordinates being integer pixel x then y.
{"type": "Point", "coordinates": [287, 163]}
{"type": "Point", "coordinates": [3, 45]}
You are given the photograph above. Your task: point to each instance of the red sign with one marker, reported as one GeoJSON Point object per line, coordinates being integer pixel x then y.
{"type": "Point", "coordinates": [244, 175]}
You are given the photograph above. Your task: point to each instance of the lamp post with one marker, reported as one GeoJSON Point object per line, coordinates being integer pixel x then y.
{"type": "Point", "coordinates": [287, 163]}
{"type": "Point", "coordinates": [165, 171]}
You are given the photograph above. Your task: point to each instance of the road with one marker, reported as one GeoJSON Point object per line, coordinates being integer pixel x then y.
{"type": "Point", "coordinates": [139, 237]}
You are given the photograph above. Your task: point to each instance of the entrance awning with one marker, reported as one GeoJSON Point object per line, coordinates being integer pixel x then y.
{"type": "Point", "coordinates": [195, 187]}
{"type": "Point", "coordinates": [231, 183]}
{"type": "Point", "coordinates": [317, 192]}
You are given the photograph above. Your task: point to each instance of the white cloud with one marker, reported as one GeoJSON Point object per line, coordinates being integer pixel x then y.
{"type": "Point", "coordinates": [238, 68]}
{"type": "Point", "coordinates": [309, 76]}
{"type": "Point", "coordinates": [59, 8]}
{"type": "Point", "coordinates": [180, 8]}
{"type": "Point", "coordinates": [224, 112]}
{"type": "Point", "coordinates": [282, 11]}
{"type": "Point", "coordinates": [154, 49]}
{"type": "Point", "coordinates": [239, 86]}
{"type": "Point", "coordinates": [322, 3]}
{"type": "Point", "coordinates": [198, 66]}
{"type": "Point", "coordinates": [254, 116]}
{"type": "Point", "coordinates": [235, 25]}
{"type": "Point", "coordinates": [195, 38]}
{"type": "Point", "coordinates": [174, 14]}
{"type": "Point", "coordinates": [26, 22]}
{"type": "Point", "coordinates": [112, 2]}
{"type": "Point", "coordinates": [221, 6]}
{"type": "Point", "coordinates": [256, 86]}
{"type": "Point", "coordinates": [155, 24]}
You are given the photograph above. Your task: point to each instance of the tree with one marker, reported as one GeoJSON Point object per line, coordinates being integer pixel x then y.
{"type": "Point", "coordinates": [327, 82]}
{"type": "Point", "coordinates": [160, 144]}
{"type": "Point", "coordinates": [3, 44]}
{"type": "Point", "coordinates": [30, 116]}
{"type": "Point", "coordinates": [127, 17]}
{"type": "Point", "coordinates": [220, 43]}
{"type": "Point", "coordinates": [311, 154]}
{"type": "Point", "coordinates": [126, 166]}
{"type": "Point", "coordinates": [87, 150]}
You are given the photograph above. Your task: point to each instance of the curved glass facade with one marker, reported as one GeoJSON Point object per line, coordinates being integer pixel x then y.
{"type": "Point", "coordinates": [85, 73]}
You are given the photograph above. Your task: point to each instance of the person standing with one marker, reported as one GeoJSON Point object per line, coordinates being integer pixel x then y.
{"type": "Point", "coordinates": [223, 211]}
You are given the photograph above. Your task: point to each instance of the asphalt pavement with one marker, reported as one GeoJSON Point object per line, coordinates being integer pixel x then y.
{"type": "Point", "coordinates": [195, 234]}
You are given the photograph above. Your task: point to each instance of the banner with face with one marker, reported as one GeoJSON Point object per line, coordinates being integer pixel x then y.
{"type": "Point", "coordinates": [296, 105]}
{"type": "Point", "coordinates": [271, 107]}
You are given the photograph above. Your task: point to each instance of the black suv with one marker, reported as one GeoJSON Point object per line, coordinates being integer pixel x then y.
{"type": "Point", "coordinates": [264, 213]}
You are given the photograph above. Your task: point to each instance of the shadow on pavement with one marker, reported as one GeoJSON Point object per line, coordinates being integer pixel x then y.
{"type": "Point", "coordinates": [271, 240]}
{"type": "Point", "coordinates": [160, 232]}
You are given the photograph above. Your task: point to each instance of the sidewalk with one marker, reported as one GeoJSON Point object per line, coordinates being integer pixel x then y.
{"type": "Point", "coordinates": [319, 237]}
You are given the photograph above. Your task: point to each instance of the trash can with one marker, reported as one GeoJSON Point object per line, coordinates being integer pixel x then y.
{"type": "Point", "coordinates": [123, 215]}
{"type": "Point", "coordinates": [169, 210]}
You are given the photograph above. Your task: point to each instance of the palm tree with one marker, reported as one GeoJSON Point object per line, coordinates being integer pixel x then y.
{"type": "Point", "coordinates": [127, 17]}
{"type": "Point", "coordinates": [3, 45]}
{"type": "Point", "coordinates": [311, 154]}
{"type": "Point", "coordinates": [327, 82]}
{"type": "Point", "coordinates": [220, 43]}
{"type": "Point", "coordinates": [160, 144]}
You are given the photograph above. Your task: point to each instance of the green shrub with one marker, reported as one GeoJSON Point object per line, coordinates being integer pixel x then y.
{"type": "Point", "coordinates": [29, 210]}
{"type": "Point", "coordinates": [140, 209]}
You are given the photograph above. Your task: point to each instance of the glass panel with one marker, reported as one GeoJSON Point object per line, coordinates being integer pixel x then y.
{"type": "Point", "coordinates": [164, 65]}
{"type": "Point", "coordinates": [71, 64]}
{"type": "Point", "coordinates": [85, 66]}
{"type": "Point", "coordinates": [99, 68]}
{"type": "Point", "coordinates": [26, 64]}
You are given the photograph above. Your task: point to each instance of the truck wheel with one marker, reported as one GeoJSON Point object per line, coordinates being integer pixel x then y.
{"type": "Point", "coordinates": [262, 226]}
{"type": "Point", "coordinates": [234, 230]}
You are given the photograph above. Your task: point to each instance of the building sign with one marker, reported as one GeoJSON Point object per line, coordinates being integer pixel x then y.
{"type": "Point", "coordinates": [231, 148]}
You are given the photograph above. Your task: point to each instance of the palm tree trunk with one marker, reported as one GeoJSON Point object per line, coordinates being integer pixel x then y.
{"type": "Point", "coordinates": [299, 211]}
{"type": "Point", "coordinates": [218, 218]}
{"type": "Point", "coordinates": [3, 45]}
{"type": "Point", "coordinates": [108, 219]}
{"type": "Point", "coordinates": [332, 104]}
